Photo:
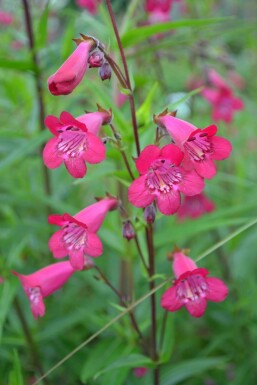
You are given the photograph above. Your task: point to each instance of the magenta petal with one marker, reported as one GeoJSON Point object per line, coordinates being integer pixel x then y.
{"type": "Point", "coordinates": [57, 219]}
{"type": "Point", "coordinates": [53, 124]}
{"type": "Point", "coordinates": [182, 264]}
{"type": "Point", "coordinates": [76, 167]}
{"type": "Point", "coordinates": [170, 301]}
{"type": "Point", "coordinates": [211, 95]}
{"type": "Point", "coordinates": [38, 307]}
{"type": "Point", "coordinates": [197, 307]}
{"type": "Point", "coordinates": [222, 148]}
{"type": "Point", "coordinates": [92, 120]}
{"type": "Point", "coordinates": [76, 258]}
{"type": "Point", "coordinates": [94, 247]}
{"type": "Point", "coordinates": [238, 104]}
{"type": "Point", "coordinates": [96, 151]}
{"type": "Point", "coordinates": [217, 290]}
{"type": "Point", "coordinates": [138, 193]}
{"type": "Point", "coordinates": [179, 130]}
{"type": "Point", "coordinates": [192, 184]}
{"type": "Point", "coordinates": [67, 119]}
{"type": "Point", "coordinates": [168, 203]}
{"type": "Point", "coordinates": [173, 153]}
{"type": "Point", "coordinates": [50, 155]}
{"type": "Point", "coordinates": [146, 158]}
{"type": "Point", "coordinates": [206, 168]}
{"type": "Point", "coordinates": [56, 245]}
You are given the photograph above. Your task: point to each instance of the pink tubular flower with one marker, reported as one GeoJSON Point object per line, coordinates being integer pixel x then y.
{"type": "Point", "coordinates": [77, 236]}
{"type": "Point", "coordinates": [140, 372]}
{"type": "Point", "coordinates": [159, 5]}
{"type": "Point", "coordinates": [90, 5]}
{"type": "Point", "coordinates": [200, 146]}
{"type": "Point", "coordinates": [94, 120]}
{"type": "Point", "coordinates": [162, 179]}
{"type": "Point", "coordinates": [195, 206]}
{"type": "Point", "coordinates": [73, 144]}
{"type": "Point", "coordinates": [70, 74]}
{"type": "Point", "coordinates": [221, 97]}
{"type": "Point", "coordinates": [5, 18]}
{"type": "Point", "coordinates": [46, 281]}
{"type": "Point", "coordinates": [192, 288]}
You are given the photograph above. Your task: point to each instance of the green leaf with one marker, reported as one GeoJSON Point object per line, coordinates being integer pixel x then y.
{"type": "Point", "coordinates": [144, 111]}
{"type": "Point", "coordinates": [132, 361]}
{"type": "Point", "coordinates": [15, 376]}
{"type": "Point", "coordinates": [8, 291]}
{"type": "Point", "coordinates": [22, 65]}
{"type": "Point", "coordinates": [140, 34]}
{"type": "Point", "coordinates": [41, 36]}
{"type": "Point", "coordinates": [169, 339]}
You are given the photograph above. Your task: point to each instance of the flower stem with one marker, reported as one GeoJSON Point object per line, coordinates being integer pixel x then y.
{"type": "Point", "coordinates": [38, 83]}
{"type": "Point", "coordinates": [124, 62]}
{"type": "Point", "coordinates": [150, 245]}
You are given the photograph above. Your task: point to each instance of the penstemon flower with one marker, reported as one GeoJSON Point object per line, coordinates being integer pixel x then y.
{"type": "Point", "coordinates": [195, 206]}
{"type": "Point", "coordinates": [70, 74]}
{"type": "Point", "coordinates": [90, 5]}
{"type": "Point", "coordinates": [77, 236]}
{"type": "Point", "coordinates": [46, 281]}
{"type": "Point", "coordinates": [73, 143]}
{"type": "Point", "coordinates": [162, 179]}
{"type": "Point", "coordinates": [192, 288]}
{"type": "Point", "coordinates": [200, 146]}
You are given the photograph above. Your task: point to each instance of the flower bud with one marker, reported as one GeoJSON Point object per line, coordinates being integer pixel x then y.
{"type": "Point", "coordinates": [96, 59]}
{"type": "Point", "coordinates": [128, 231]}
{"type": "Point", "coordinates": [105, 71]}
{"type": "Point", "coordinates": [149, 213]}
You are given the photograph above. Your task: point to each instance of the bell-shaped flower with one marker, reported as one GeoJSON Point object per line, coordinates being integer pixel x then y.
{"type": "Point", "coordinates": [46, 281]}
{"type": "Point", "coordinates": [162, 179]}
{"type": "Point", "coordinates": [77, 236]}
{"type": "Point", "coordinates": [192, 288]}
{"type": "Point", "coordinates": [70, 74]}
{"type": "Point", "coordinates": [200, 146]}
{"type": "Point", "coordinates": [195, 206]}
{"type": "Point", "coordinates": [94, 120]}
{"type": "Point", "coordinates": [73, 144]}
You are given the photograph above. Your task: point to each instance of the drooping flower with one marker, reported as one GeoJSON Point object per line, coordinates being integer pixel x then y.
{"type": "Point", "coordinates": [221, 97]}
{"type": "Point", "coordinates": [70, 74]}
{"type": "Point", "coordinates": [163, 179]}
{"type": "Point", "coordinates": [77, 236]}
{"type": "Point", "coordinates": [192, 288]}
{"type": "Point", "coordinates": [73, 144]}
{"type": "Point", "coordinates": [195, 206]}
{"type": "Point", "coordinates": [140, 371]}
{"type": "Point", "coordinates": [90, 5]}
{"type": "Point", "coordinates": [46, 281]}
{"type": "Point", "coordinates": [200, 146]}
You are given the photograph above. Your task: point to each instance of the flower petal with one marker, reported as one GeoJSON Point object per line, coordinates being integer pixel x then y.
{"type": "Point", "coordinates": [206, 168]}
{"type": "Point", "coordinates": [146, 158]}
{"type": "Point", "coordinates": [50, 155]}
{"type": "Point", "coordinates": [197, 307]}
{"type": "Point", "coordinates": [217, 290]}
{"type": "Point", "coordinates": [94, 247]}
{"type": "Point", "coordinates": [179, 129]}
{"type": "Point", "coordinates": [222, 148]}
{"type": "Point", "coordinates": [53, 124]}
{"type": "Point", "coordinates": [76, 167]}
{"type": "Point", "coordinates": [56, 245]}
{"type": "Point", "coordinates": [76, 258]}
{"type": "Point", "coordinates": [138, 194]}
{"type": "Point", "coordinates": [168, 203]}
{"type": "Point", "coordinates": [170, 301]}
{"type": "Point", "coordinates": [69, 120]}
{"type": "Point", "coordinates": [191, 184]}
{"type": "Point", "coordinates": [96, 151]}
{"type": "Point", "coordinates": [172, 153]}
{"type": "Point", "coordinates": [37, 307]}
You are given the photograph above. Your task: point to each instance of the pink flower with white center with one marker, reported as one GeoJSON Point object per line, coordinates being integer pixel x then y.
{"type": "Point", "coordinates": [46, 281]}
{"type": "Point", "coordinates": [192, 288]}
{"type": "Point", "coordinates": [90, 5]}
{"type": "Point", "coordinates": [200, 146]}
{"type": "Point", "coordinates": [70, 74]}
{"type": "Point", "coordinates": [77, 236]}
{"type": "Point", "coordinates": [140, 371]}
{"type": "Point", "coordinates": [162, 179]}
{"type": "Point", "coordinates": [73, 144]}
{"type": "Point", "coordinates": [221, 97]}
{"type": "Point", "coordinates": [195, 206]}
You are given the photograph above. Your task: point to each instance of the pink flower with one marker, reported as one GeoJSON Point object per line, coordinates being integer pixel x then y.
{"type": "Point", "coordinates": [77, 236]}
{"type": "Point", "coordinates": [70, 74]}
{"type": "Point", "coordinates": [192, 288]}
{"type": "Point", "coordinates": [94, 120]}
{"type": "Point", "coordinates": [5, 18]}
{"type": "Point", "coordinates": [200, 146]}
{"type": "Point", "coordinates": [221, 97]}
{"type": "Point", "coordinates": [1, 280]}
{"type": "Point", "coordinates": [159, 5]}
{"type": "Point", "coordinates": [162, 179]}
{"type": "Point", "coordinates": [46, 281]}
{"type": "Point", "coordinates": [195, 206]}
{"type": "Point", "coordinates": [140, 372]}
{"type": "Point", "coordinates": [73, 144]}
{"type": "Point", "coordinates": [90, 5]}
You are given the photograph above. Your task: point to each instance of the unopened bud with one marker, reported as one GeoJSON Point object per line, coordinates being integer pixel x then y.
{"type": "Point", "coordinates": [128, 231]}
{"type": "Point", "coordinates": [96, 59]}
{"type": "Point", "coordinates": [149, 213]}
{"type": "Point", "coordinates": [105, 71]}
